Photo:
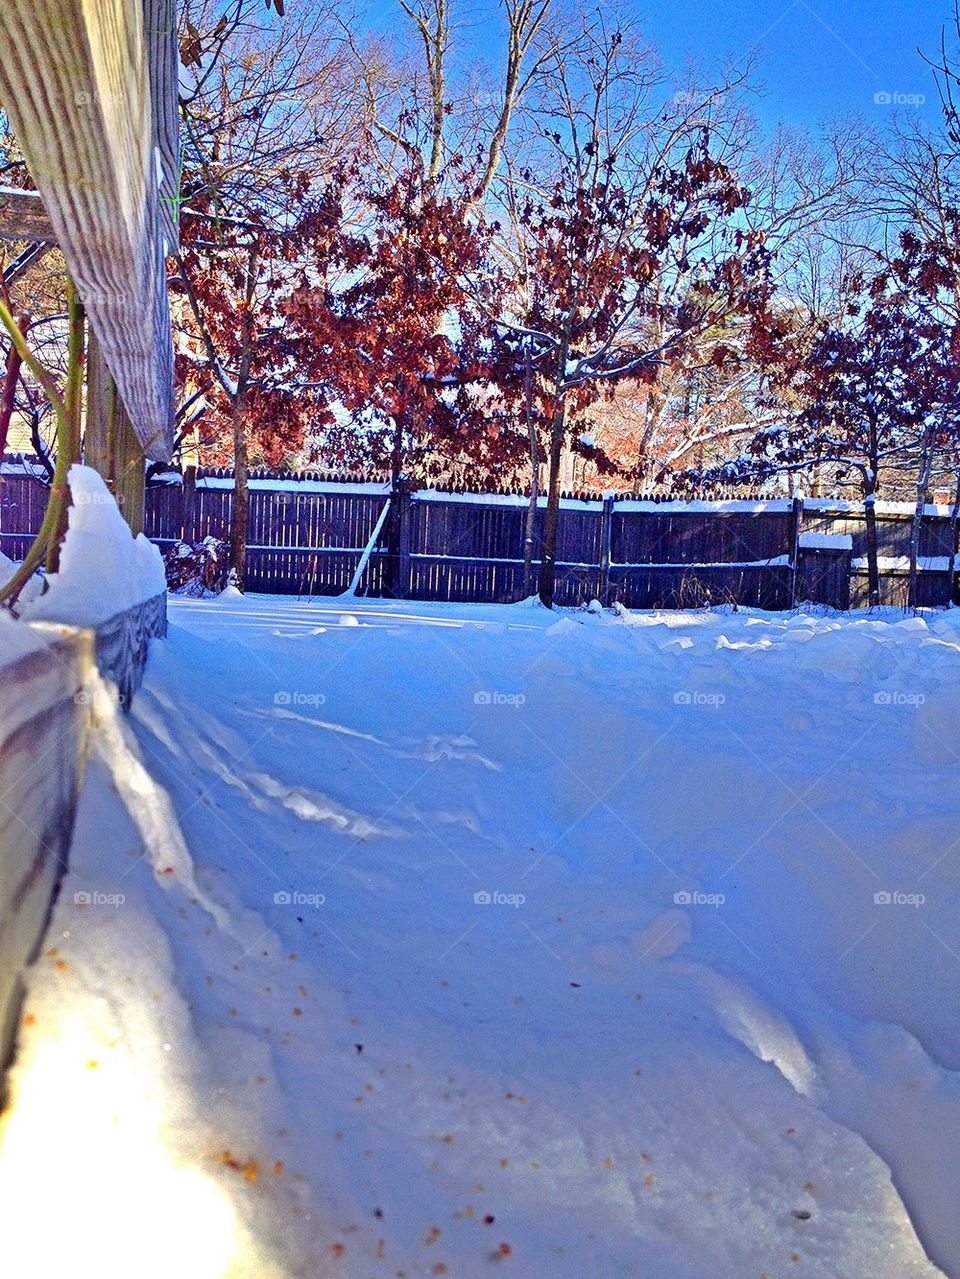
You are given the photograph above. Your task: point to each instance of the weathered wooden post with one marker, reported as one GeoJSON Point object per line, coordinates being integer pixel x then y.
{"type": "Point", "coordinates": [606, 542]}
{"type": "Point", "coordinates": [793, 547]}
{"type": "Point", "coordinates": [110, 444]}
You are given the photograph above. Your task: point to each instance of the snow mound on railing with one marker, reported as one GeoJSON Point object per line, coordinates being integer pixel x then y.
{"type": "Point", "coordinates": [104, 569]}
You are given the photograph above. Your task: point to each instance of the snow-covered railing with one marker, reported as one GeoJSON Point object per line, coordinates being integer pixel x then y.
{"type": "Point", "coordinates": [100, 611]}
{"type": "Point", "coordinates": [44, 672]}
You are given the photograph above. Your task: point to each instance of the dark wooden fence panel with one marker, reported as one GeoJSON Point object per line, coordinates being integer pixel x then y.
{"type": "Point", "coordinates": [933, 588]}
{"type": "Point", "coordinates": [23, 500]}
{"type": "Point", "coordinates": [307, 537]}
{"type": "Point", "coordinates": [163, 513]}
{"type": "Point", "coordinates": [679, 587]}
{"type": "Point", "coordinates": [711, 537]}
{"type": "Point", "coordinates": [823, 577]}
{"type": "Point", "coordinates": [893, 531]}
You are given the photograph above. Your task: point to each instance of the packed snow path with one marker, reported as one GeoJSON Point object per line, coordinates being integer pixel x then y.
{"type": "Point", "coordinates": [562, 947]}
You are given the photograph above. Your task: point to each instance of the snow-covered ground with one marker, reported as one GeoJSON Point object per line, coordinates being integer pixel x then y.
{"type": "Point", "coordinates": [557, 946]}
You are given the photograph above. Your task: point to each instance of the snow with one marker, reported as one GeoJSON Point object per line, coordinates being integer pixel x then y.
{"type": "Point", "coordinates": [901, 563]}
{"type": "Point", "coordinates": [826, 542]}
{"type": "Point", "coordinates": [455, 937]}
{"type": "Point", "coordinates": [883, 508]}
{"type": "Point", "coordinates": [504, 499]}
{"type": "Point", "coordinates": [774, 561]}
{"type": "Point", "coordinates": [731, 506]}
{"type": "Point", "coordinates": [290, 486]}
{"type": "Point", "coordinates": [104, 570]}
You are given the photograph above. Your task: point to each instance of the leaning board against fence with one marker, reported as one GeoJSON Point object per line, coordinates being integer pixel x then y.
{"type": "Point", "coordinates": [307, 536]}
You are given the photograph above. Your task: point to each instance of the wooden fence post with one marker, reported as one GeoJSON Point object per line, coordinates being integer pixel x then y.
{"type": "Point", "coordinates": [397, 567]}
{"type": "Point", "coordinates": [606, 541]}
{"type": "Point", "coordinates": [188, 508]}
{"type": "Point", "coordinates": [110, 443]}
{"type": "Point", "coordinates": [405, 514]}
{"type": "Point", "coordinates": [793, 549]}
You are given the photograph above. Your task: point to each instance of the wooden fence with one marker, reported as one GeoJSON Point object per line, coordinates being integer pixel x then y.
{"type": "Point", "coordinates": [44, 717]}
{"type": "Point", "coordinates": [44, 730]}
{"type": "Point", "coordinates": [306, 537]}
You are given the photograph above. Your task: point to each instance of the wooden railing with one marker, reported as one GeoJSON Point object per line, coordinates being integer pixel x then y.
{"type": "Point", "coordinates": [45, 721]}
{"type": "Point", "coordinates": [44, 718]}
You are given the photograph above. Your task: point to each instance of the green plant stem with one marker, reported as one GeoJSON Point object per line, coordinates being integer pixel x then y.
{"type": "Point", "coordinates": [50, 527]}
{"type": "Point", "coordinates": [68, 439]}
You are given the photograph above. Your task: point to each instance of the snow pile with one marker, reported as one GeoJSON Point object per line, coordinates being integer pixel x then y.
{"type": "Point", "coordinates": [104, 569]}
{"type": "Point", "coordinates": [593, 945]}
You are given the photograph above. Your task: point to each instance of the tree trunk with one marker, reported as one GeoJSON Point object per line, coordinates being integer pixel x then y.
{"type": "Point", "coordinates": [954, 525]}
{"type": "Point", "coordinates": [189, 507]}
{"type": "Point", "coordinates": [11, 376]}
{"type": "Point", "coordinates": [393, 530]}
{"type": "Point", "coordinates": [530, 520]}
{"type": "Point", "coordinates": [548, 554]}
{"type": "Point", "coordinates": [916, 526]}
{"type": "Point", "coordinates": [870, 519]}
{"type": "Point", "coordinates": [241, 501]}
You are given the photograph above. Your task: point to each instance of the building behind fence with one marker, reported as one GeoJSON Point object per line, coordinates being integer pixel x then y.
{"type": "Point", "coordinates": [306, 537]}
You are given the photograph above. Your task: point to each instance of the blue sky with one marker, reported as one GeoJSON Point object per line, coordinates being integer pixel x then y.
{"type": "Point", "coordinates": [818, 59]}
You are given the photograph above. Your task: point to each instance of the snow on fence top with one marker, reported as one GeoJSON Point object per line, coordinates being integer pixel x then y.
{"type": "Point", "coordinates": [623, 503]}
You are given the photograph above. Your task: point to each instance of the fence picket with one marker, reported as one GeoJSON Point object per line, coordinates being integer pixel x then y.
{"type": "Point", "coordinates": [308, 537]}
